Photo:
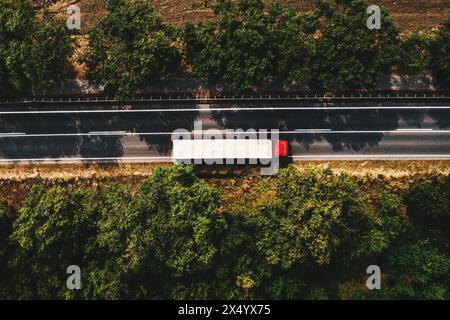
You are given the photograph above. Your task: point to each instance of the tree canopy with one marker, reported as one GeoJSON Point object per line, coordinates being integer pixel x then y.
{"type": "Point", "coordinates": [250, 43]}
{"type": "Point", "coordinates": [350, 56]}
{"type": "Point", "coordinates": [441, 55]}
{"type": "Point", "coordinates": [416, 55]}
{"type": "Point", "coordinates": [308, 235]}
{"type": "Point", "coordinates": [130, 49]}
{"type": "Point", "coordinates": [34, 50]}
{"type": "Point", "coordinates": [52, 232]}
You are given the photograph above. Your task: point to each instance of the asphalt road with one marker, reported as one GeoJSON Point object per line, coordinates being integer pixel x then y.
{"type": "Point", "coordinates": [143, 133]}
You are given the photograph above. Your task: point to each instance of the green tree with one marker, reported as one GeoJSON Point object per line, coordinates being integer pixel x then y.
{"type": "Point", "coordinates": [416, 54]}
{"type": "Point", "coordinates": [150, 244]}
{"type": "Point", "coordinates": [418, 270]}
{"type": "Point", "coordinates": [251, 43]}
{"type": "Point", "coordinates": [34, 50]}
{"type": "Point", "coordinates": [52, 231]}
{"type": "Point", "coordinates": [308, 217]}
{"type": "Point", "coordinates": [130, 49]}
{"type": "Point", "coordinates": [416, 267]}
{"type": "Point", "coordinates": [429, 203]}
{"type": "Point", "coordinates": [181, 211]}
{"type": "Point", "coordinates": [349, 55]}
{"type": "Point", "coordinates": [5, 249]}
{"type": "Point", "coordinates": [319, 215]}
{"type": "Point", "coordinates": [441, 55]}
{"type": "Point", "coordinates": [107, 272]}
{"type": "Point", "coordinates": [374, 231]}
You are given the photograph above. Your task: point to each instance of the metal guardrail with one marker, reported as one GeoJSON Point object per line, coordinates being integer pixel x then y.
{"type": "Point", "coordinates": [212, 99]}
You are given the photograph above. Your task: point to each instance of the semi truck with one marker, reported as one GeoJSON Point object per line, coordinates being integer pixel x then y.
{"type": "Point", "coordinates": [228, 149]}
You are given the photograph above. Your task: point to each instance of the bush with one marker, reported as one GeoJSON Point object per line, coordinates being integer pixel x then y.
{"type": "Point", "coordinates": [349, 55]}
{"type": "Point", "coordinates": [429, 203]}
{"type": "Point", "coordinates": [441, 55]}
{"type": "Point", "coordinates": [249, 44]}
{"type": "Point", "coordinates": [130, 49]}
{"type": "Point", "coordinates": [34, 50]}
{"type": "Point", "coordinates": [312, 238]}
{"type": "Point", "coordinates": [416, 55]}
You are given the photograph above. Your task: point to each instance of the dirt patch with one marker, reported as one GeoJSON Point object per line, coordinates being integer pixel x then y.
{"type": "Point", "coordinates": [409, 15]}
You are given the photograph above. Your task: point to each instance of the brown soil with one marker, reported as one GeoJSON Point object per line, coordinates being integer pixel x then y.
{"type": "Point", "coordinates": [408, 14]}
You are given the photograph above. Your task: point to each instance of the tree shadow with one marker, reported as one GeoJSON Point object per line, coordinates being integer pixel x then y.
{"type": "Point", "coordinates": [85, 140]}
{"type": "Point", "coordinates": [441, 117]}
{"type": "Point", "coordinates": [156, 128]}
{"type": "Point", "coordinates": [57, 136]}
{"type": "Point", "coordinates": [88, 135]}
{"type": "Point", "coordinates": [95, 145]}
{"type": "Point", "coordinates": [24, 147]}
{"type": "Point", "coordinates": [372, 123]}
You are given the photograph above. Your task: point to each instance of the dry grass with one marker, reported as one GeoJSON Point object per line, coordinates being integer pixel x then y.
{"type": "Point", "coordinates": [381, 168]}
{"type": "Point", "coordinates": [241, 189]}
{"type": "Point", "coordinates": [75, 171]}
{"type": "Point", "coordinates": [106, 171]}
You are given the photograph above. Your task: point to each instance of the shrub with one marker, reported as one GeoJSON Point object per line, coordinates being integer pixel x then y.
{"type": "Point", "coordinates": [130, 49]}
{"type": "Point", "coordinates": [441, 55]}
{"type": "Point", "coordinates": [349, 55]}
{"type": "Point", "coordinates": [34, 50]}
{"type": "Point", "coordinates": [251, 43]}
{"type": "Point", "coordinates": [416, 55]}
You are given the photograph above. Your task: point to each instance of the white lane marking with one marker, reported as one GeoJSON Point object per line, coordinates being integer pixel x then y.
{"type": "Point", "coordinates": [65, 160]}
{"type": "Point", "coordinates": [223, 109]}
{"type": "Point", "coordinates": [310, 130]}
{"type": "Point", "coordinates": [170, 159]}
{"type": "Point", "coordinates": [13, 134]}
{"type": "Point", "coordinates": [420, 129]}
{"type": "Point", "coordinates": [107, 133]}
{"type": "Point", "coordinates": [327, 131]}
{"type": "Point", "coordinates": [297, 131]}
{"type": "Point", "coordinates": [374, 156]}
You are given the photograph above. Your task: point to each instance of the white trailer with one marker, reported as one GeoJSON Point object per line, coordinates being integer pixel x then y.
{"type": "Point", "coordinates": [239, 149]}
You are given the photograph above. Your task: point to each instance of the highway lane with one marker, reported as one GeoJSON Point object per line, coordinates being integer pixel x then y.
{"type": "Point", "coordinates": [375, 133]}
{"type": "Point", "coordinates": [393, 145]}
{"type": "Point", "coordinates": [379, 119]}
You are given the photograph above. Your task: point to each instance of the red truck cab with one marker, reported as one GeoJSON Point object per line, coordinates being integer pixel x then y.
{"type": "Point", "coordinates": [281, 149]}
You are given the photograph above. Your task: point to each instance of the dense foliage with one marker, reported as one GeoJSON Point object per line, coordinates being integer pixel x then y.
{"type": "Point", "coordinates": [130, 49]}
{"type": "Point", "coordinates": [309, 235]}
{"type": "Point", "coordinates": [441, 55]}
{"type": "Point", "coordinates": [251, 43]}
{"type": "Point", "coordinates": [349, 55]}
{"type": "Point", "coordinates": [34, 50]}
{"type": "Point", "coordinates": [416, 56]}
